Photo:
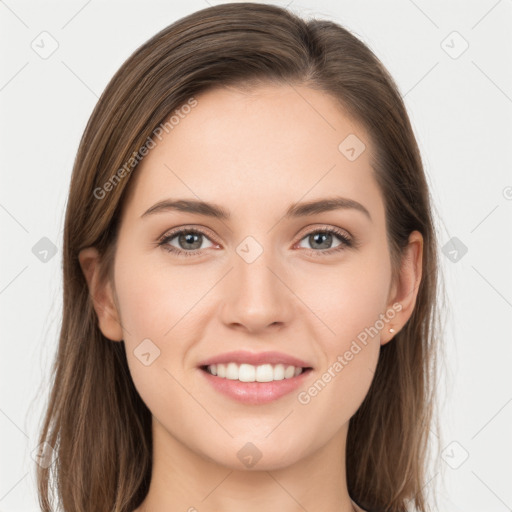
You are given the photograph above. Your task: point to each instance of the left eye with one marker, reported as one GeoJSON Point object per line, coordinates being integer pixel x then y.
{"type": "Point", "coordinates": [325, 237]}
{"type": "Point", "coordinates": [190, 241]}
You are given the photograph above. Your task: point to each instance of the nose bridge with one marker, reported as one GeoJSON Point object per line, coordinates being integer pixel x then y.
{"type": "Point", "coordinates": [252, 269]}
{"type": "Point", "coordinates": [256, 297]}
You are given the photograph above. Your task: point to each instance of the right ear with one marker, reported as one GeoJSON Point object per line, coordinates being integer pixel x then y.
{"type": "Point", "coordinates": [101, 294]}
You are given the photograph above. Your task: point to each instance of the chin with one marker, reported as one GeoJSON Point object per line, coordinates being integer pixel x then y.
{"type": "Point", "coordinates": [255, 456]}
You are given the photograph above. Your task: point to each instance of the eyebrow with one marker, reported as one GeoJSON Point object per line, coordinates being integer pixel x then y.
{"type": "Point", "coordinates": [295, 210]}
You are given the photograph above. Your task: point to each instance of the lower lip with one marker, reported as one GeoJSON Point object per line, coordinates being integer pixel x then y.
{"type": "Point", "coordinates": [255, 393]}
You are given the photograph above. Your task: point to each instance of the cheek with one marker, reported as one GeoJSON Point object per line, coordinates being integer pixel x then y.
{"type": "Point", "coordinates": [154, 296]}
{"type": "Point", "coordinates": [350, 302]}
{"type": "Point", "coordinates": [352, 310]}
{"type": "Point", "coordinates": [154, 303]}
{"type": "Point", "coordinates": [350, 299]}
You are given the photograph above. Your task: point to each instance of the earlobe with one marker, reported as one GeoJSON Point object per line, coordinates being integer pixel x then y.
{"type": "Point", "coordinates": [405, 290]}
{"type": "Point", "coordinates": [101, 294]}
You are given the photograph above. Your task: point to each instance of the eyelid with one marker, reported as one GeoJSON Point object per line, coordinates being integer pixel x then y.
{"type": "Point", "coordinates": [207, 232]}
{"type": "Point", "coordinates": [313, 228]}
{"type": "Point", "coordinates": [188, 228]}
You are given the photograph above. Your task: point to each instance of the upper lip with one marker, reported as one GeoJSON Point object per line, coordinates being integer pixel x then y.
{"type": "Point", "coordinates": [256, 359]}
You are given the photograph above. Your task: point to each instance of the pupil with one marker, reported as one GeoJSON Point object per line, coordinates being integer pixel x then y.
{"type": "Point", "coordinates": [325, 236]}
{"type": "Point", "coordinates": [189, 239]}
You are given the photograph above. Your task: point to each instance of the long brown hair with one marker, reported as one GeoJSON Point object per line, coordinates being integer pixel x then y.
{"type": "Point", "coordinates": [95, 420]}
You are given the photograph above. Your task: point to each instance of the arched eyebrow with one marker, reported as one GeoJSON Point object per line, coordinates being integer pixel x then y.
{"type": "Point", "coordinates": [295, 210]}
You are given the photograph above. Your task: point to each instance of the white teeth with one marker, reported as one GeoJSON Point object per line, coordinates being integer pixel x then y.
{"type": "Point", "coordinates": [278, 372]}
{"type": "Point", "coordinates": [289, 372]}
{"type": "Point", "coordinates": [250, 373]}
{"type": "Point", "coordinates": [264, 372]}
{"type": "Point", "coordinates": [247, 373]}
{"type": "Point", "coordinates": [232, 371]}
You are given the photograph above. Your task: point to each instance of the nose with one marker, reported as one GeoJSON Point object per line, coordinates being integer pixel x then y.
{"type": "Point", "coordinates": [256, 295]}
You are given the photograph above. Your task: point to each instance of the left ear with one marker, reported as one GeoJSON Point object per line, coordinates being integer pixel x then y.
{"type": "Point", "coordinates": [404, 290]}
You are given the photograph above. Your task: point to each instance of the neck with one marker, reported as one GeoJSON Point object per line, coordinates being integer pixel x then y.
{"type": "Point", "coordinates": [183, 479]}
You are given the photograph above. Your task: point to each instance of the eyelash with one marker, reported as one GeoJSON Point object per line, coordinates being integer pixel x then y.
{"type": "Point", "coordinates": [346, 242]}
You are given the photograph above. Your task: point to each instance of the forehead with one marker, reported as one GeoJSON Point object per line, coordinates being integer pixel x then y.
{"type": "Point", "coordinates": [271, 144]}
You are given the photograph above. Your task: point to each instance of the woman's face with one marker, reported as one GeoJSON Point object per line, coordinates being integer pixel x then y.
{"type": "Point", "coordinates": [259, 279]}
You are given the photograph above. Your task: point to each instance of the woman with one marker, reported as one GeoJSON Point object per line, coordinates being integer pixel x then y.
{"type": "Point", "coordinates": [250, 275]}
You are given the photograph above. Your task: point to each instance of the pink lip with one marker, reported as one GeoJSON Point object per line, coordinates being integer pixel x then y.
{"type": "Point", "coordinates": [243, 356]}
{"type": "Point", "coordinates": [255, 393]}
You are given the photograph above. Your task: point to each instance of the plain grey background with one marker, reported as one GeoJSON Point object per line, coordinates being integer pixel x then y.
{"type": "Point", "coordinates": [451, 61]}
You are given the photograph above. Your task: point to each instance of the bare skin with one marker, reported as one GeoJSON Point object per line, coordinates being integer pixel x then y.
{"type": "Point", "coordinates": [253, 153]}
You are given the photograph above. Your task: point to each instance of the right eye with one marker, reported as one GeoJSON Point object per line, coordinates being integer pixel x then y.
{"type": "Point", "coordinates": [189, 241]}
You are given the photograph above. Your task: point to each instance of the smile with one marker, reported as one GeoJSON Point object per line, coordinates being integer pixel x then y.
{"type": "Point", "coordinates": [251, 373]}
{"type": "Point", "coordinates": [263, 384]}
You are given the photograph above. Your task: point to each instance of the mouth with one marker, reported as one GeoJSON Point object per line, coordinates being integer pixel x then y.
{"type": "Point", "coordinates": [255, 385]}
{"type": "Point", "coordinates": [251, 373]}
